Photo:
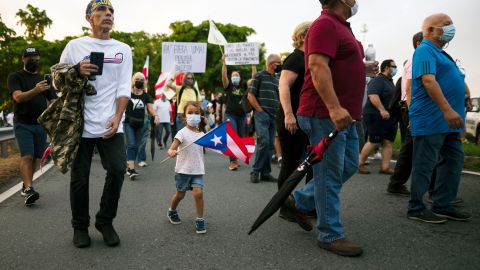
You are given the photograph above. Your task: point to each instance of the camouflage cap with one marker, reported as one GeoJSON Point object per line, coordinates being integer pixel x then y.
{"type": "Point", "coordinates": [94, 4]}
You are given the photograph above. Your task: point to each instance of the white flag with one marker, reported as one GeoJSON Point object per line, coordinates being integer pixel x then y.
{"type": "Point", "coordinates": [215, 36]}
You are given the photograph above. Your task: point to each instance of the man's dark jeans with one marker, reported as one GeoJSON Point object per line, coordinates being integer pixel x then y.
{"type": "Point", "coordinates": [113, 156]}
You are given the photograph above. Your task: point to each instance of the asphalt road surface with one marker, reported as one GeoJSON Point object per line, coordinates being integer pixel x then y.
{"type": "Point", "coordinates": [40, 237]}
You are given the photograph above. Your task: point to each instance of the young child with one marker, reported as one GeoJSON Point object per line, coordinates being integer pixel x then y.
{"type": "Point", "coordinates": [189, 168]}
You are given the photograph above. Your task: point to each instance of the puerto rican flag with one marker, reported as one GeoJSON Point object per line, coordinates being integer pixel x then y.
{"type": "Point", "coordinates": [145, 67]}
{"type": "Point", "coordinates": [162, 80]}
{"type": "Point", "coordinates": [225, 140]}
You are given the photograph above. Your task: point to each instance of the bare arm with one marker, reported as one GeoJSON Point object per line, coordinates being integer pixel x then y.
{"type": "Point", "coordinates": [225, 81]}
{"type": "Point", "coordinates": [254, 102]}
{"type": "Point", "coordinates": [408, 91]}
{"type": "Point", "coordinates": [377, 103]}
{"type": "Point", "coordinates": [435, 92]}
{"type": "Point", "coordinates": [113, 123]}
{"type": "Point", "coordinates": [322, 80]}
{"type": "Point", "coordinates": [468, 101]}
{"type": "Point", "coordinates": [254, 71]}
{"type": "Point", "coordinates": [287, 79]}
{"type": "Point", "coordinates": [173, 150]}
{"type": "Point", "coordinates": [21, 97]}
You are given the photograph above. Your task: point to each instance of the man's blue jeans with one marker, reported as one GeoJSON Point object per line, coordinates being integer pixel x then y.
{"type": "Point", "coordinates": [238, 124]}
{"type": "Point", "coordinates": [265, 130]}
{"type": "Point", "coordinates": [159, 133]}
{"type": "Point", "coordinates": [446, 152]}
{"type": "Point", "coordinates": [339, 163]}
{"type": "Point", "coordinates": [142, 154]}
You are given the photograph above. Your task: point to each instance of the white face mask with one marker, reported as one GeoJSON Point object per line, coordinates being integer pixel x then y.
{"type": "Point", "coordinates": [193, 120]}
{"type": "Point", "coordinates": [354, 8]}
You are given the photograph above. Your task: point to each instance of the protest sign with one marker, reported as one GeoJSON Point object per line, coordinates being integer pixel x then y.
{"type": "Point", "coordinates": [243, 53]}
{"type": "Point", "coordinates": [184, 56]}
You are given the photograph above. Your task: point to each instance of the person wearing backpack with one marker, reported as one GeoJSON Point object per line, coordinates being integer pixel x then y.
{"type": "Point", "coordinates": [184, 93]}
{"type": "Point", "coordinates": [235, 90]}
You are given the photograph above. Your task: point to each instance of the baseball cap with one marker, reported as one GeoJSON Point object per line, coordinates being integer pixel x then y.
{"type": "Point", "coordinates": [94, 4]}
{"type": "Point", "coordinates": [30, 51]}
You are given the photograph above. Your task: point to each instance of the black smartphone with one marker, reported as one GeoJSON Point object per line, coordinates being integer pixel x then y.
{"type": "Point", "coordinates": [48, 78]}
{"type": "Point", "coordinates": [96, 58]}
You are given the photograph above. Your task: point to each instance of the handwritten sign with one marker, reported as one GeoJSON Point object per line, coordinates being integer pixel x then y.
{"type": "Point", "coordinates": [184, 56]}
{"type": "Point", "coordinates": [243, 53]}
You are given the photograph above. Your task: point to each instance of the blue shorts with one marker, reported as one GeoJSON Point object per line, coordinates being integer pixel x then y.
{"type": "Point", "coordinates": [186, 182]}
{"type": "Point", "coordinates": [31, 139]}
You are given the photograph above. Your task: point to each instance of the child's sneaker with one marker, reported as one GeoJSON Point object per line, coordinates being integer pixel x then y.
{"type": "Point", "coordinates": [173, 217]}
{"type": "Point", "coordinates": [200, 225]}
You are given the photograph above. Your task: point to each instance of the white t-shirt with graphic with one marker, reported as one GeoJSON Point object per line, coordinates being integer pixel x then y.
{"type": "Point", "coordinates": [190, 160]}
{"type": "Point", "coordinates": [112, 84]}
{"type": "Point", "coordinates": [163, 109]}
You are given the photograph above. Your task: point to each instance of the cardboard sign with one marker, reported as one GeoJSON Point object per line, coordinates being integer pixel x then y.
{"type": "Point", "coordinates": [184, 56]}
{"type": "Point", "coordinates": [243, 53]}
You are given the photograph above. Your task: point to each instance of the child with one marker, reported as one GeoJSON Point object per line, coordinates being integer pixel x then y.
{"type": "Point", "coordinates": [189, 168]}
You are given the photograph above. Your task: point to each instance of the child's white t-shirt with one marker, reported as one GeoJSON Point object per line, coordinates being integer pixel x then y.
{"type": "Point", "coordinates": [190, 160]}
{"type": "Point", "coordinates": [115, 81]}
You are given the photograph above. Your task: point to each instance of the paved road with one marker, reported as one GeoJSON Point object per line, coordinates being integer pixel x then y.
{"type": "Point", "coordinates": [39, 237]}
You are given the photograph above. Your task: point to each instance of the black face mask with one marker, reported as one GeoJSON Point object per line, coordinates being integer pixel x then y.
{"type": "Point", "coordinates": [32, 65]}
{"type": "Point", "coordinates": [139, 84]}
{"type": "Point", "coordinates": [278, 69]}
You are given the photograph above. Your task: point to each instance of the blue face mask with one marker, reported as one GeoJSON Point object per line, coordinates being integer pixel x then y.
{"type": "Point", "coordinates": [236, 80]}
{"type": "Point", "coordinates": [394, 71]}
{"type": "Point", "coordinates": [448, 32]}
{"type": "Point", "coordinates": [193, 120]}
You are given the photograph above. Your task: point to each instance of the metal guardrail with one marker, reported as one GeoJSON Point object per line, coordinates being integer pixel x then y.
{"type": "Point", "coordinates": [6, 135]}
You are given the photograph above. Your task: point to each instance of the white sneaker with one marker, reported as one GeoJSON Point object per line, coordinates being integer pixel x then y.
{"type": "Point", "coordinates": [377, 156]}
{"type": "Point", "coordinates": [142, 164]}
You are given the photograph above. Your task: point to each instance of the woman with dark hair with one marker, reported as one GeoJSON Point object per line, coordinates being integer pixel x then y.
{"type": "Point", "coordinates": [293, 141]}
{"type": "Point", "coordinates": [234, 90]}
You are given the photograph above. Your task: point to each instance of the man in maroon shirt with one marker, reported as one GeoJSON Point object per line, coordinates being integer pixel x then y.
{"type": "Point", "coordinates": [331, 98]}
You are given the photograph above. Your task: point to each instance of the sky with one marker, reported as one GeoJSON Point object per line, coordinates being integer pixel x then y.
{"type": "Point", "coordinates": [390, 24]}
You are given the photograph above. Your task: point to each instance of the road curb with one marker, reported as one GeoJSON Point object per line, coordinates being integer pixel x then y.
{"type": "Point", "coordinates": [13, 190]}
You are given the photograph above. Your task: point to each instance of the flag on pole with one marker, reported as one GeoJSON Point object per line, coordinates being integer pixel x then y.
{"type": "Point", "coordinates": [145, 67]}
{"type": "Point", "coordinates": [225, 140]}
{"type": "Point", "coordinates": [215, 36]}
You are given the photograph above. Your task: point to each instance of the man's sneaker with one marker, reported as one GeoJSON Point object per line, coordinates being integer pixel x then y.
{"type": "Point", "coordinates": [30, 196]}
{"type": "Point", "coordinates": [22, 191]}
{"type": "Point", "coordinates": [110, 236]}
{"type": "Point", "coordinates": [402, 191]}
{"type": "Point", "coordinates": [279, 160]}
{"type": "Point", "coordinates": [200, 225]}
{"type": "Point", "coordinates": [173, 217]}
{"type": "Point", "coordinates": [81, 239]}
{"type": "Point", "coordinates": [377, 156]}
{"type": "Point", "coordinates": [300, 217]}
{"type": "Point", "coordinates": [342, 247]}
{"type": "Point", "coordinates": [132, 173]}
{"type": "Point", "coordinates": [268, 178]}
{"type": "Point", "coordinates": [142, 164]}
{"type": "Point", "coordinates": [454, 215]}
{"type": "Point", "coordinates": [426, 216]}
{"type": "Point", "coordinates": [254, 177]}
{"type": "Point", "coordinates": [455, 201]}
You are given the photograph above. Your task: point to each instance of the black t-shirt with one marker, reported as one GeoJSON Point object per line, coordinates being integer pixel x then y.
{"type": "Point", "coordinates": [27, 112]}
{"type": "Point", "coordinates": [234, 95]}
{"type": "Point", "coordinates": [137, 105]}
{"type": "Point", "coordinates": [384, 88]}
{"type": "Point", "coordinates": [295, 62]}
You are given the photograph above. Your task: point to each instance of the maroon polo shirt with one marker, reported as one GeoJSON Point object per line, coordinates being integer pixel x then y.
{"type": "Point", "coordinates": [332, 36]}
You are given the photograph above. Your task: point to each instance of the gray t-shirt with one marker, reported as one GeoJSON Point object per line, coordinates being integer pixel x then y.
{"type": "Point", "coordinates": [190, 160]}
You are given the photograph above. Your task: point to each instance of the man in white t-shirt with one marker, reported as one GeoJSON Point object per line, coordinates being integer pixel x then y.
{"type": "Point", "coordinates": [103, 127]}
{"type": "Point", "coordinates": [164, 119]}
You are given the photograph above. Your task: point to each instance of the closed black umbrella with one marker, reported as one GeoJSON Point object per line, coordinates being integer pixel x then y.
{"type": "Point", "coordinates": [152, 138]}
{"type": "Point", "coordinates": [315, 155]}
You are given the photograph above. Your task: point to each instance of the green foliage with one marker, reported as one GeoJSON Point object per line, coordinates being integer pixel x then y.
{"type": "Point", "coordinates": [35, 22]}
{"type": "Point", "coordinates": [142, 44]}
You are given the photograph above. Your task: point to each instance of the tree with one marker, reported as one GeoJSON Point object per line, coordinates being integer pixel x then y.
{"type": "Point", "coordinates": [35, 22]}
